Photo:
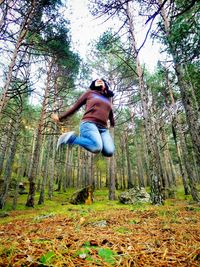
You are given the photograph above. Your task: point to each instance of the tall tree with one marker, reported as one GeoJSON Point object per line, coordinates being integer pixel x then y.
{"type": "Point", "coordinates": [182, 38]}
{"type": "Point", "coordinates": [124, 10]}
{"type": "Point", "coordinates": [185, 17]}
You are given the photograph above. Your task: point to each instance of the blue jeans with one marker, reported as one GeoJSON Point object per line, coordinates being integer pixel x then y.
{"type": "Point", "coordinates": [95, 138]}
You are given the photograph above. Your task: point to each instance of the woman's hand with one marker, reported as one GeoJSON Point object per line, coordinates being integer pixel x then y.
{"type": "Point", "coordinates": [55, 117]}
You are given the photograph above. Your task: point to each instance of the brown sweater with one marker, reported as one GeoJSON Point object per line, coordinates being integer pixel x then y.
{"type": "Point", "coordinates": [98, 108]}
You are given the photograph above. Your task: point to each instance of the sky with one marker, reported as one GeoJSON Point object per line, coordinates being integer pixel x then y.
{"type": "Point", "coordinates": [85, 28]}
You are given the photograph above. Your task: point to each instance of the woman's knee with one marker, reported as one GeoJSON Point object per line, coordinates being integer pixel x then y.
{"type": "Point", "coordinates": [96, 148]}
{"type": "Point", "coordinates": [108, 153]}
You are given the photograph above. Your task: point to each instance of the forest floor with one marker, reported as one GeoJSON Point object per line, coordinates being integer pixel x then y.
{"type": "Point", "coordinates": [104, 233]}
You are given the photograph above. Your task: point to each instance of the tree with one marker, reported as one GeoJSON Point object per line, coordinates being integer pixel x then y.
{"type": "Point", "coordinates": [185, 22]}
{"type": "Point", "coordinates": [124, 11]}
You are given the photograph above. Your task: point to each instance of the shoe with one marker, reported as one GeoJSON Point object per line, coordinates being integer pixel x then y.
{"type": "Point", "coordinates": [65, 139]}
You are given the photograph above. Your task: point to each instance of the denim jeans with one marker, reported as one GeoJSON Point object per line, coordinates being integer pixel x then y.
{"type": "Point", "coordinates": [95, 138]}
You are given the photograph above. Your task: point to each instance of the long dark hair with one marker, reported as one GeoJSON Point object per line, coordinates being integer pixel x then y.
{"type": "Point", "coordinates": [107, 92]}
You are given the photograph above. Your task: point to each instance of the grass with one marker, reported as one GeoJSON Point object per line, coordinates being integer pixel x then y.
{"type": "Point", "coordinates": [59, 205]}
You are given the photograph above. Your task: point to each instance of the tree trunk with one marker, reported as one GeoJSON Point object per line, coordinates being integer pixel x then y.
{"type": "Point", "coordinates": [152, 158]}
{"type": "Point", "coordinates": [139, 166]}
{"type": "Point", "coordinates": [123, 163]}
{"type": "Point", "coordinates": [52, 168]}
{"type": "Point", "coordinates": [192, 115]}
{"type": "Point", "coordinates": [112, 175]}
{"type": "Point", "coordinates": [176, 125]}
{"type": "Point", "coordinates": [130, 180]}
{"type": "Point", "coordinates": [45, 172]}
{"type": "Point", "coordinates": [33, 170]}
{"type": "Point", "coordinates": [24, 29]}
{"type": "Point", "coordinates": [38, 144]}
{"type": "Point", "coordinates": [21, 160]}
{"type": "Point", "coordinates": [66, 175]}
{"type": "Point", "coordinates": [83, 168]}
{"type": "Point", "coordinates": [145, 158]}
{"type": "Point", "coordinates": [168, 161]}
{"type": "Point", "coordinates": [78, 167]}
{"type": "Point", "coordinates": [9, 164]}
{"type": "Point", "coordinates": [91, 169]}
{"type": "Point", "coordinates": [5, 140]}
{"type": "Point", "coordinates": [40, 168]}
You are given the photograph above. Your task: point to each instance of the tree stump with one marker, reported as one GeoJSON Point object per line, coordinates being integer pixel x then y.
{"type": "Point", "coordinates": [83, 196]}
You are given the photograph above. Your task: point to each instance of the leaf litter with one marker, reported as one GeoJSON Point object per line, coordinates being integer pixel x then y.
{"type": "Point", "coordinates": [157, 236]}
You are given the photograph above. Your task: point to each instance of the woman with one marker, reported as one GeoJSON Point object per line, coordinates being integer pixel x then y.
{"type": "Point", "coordinates": [94, 133]}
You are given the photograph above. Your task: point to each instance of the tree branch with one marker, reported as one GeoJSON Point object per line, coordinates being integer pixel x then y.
{"type": "Point", "coordinates": [152, 17]}
{"type": "Point", "coordinates": [186, 9]}
{"type": "Point", "coordinates": [146, 36]}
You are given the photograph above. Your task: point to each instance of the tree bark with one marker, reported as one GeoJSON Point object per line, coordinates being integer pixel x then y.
{"type": "Point", "coordinates": [130, 181]}
{"type": "Point", "coordinates": [112, 188]}
{"type": "Point", "coordinates": [9, 164]}
{"type": "Point", "coordinates": [45, 172]}
{"type": "Point", "coordinates": [140, 166]}
{"type": "Point", "coordinates": [5, 140]}
{"type": "Point", "coordinates": [91, 173]}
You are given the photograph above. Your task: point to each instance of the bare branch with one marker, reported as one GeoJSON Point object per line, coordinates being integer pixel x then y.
{"type": "Point", "coordinates": [146, 36]}
{"type": "Point", "coordinates": [152, 17]}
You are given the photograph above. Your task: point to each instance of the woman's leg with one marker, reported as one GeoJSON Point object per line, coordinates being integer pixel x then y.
{"type": "Point", "coordinates": [108, 144]}
{"type": "Point", "coordinates": [89, 138]}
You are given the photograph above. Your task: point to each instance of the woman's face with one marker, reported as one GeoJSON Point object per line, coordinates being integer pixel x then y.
{"type": "Point", "coordinates": [100, 83]}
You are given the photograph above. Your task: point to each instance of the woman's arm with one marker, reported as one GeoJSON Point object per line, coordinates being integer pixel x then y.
{"type": "Point", "coordinates": [80, 102]}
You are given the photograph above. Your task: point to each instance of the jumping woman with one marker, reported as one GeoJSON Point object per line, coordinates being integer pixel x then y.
{"type": "Point", "coordinates": [94, 132]}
